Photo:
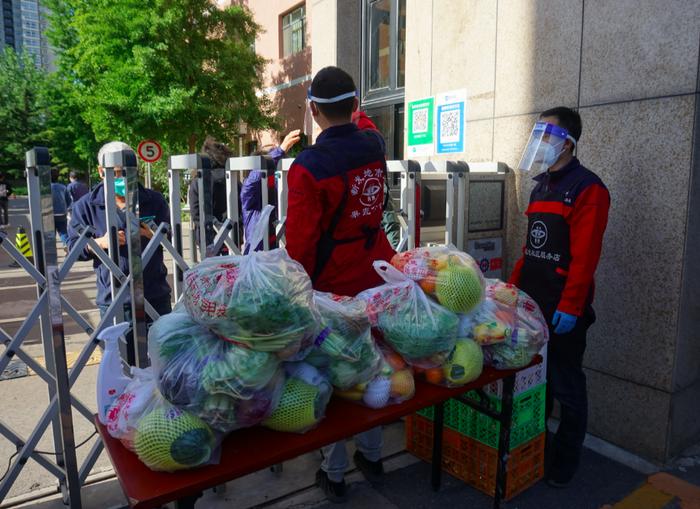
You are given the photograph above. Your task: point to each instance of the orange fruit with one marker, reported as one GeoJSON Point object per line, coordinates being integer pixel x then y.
{"type": "Point", "coordinates": [428, 285]}
{"type": "Point", "coordinates": [434, 375]}
{"type": "Point", "coordinates": [394, 360]}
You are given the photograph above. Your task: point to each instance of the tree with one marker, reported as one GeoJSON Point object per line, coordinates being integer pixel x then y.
{"type": "Point", "coordinates": [22, 110]}
{"type": "Point", "coordinates": [173, 70]}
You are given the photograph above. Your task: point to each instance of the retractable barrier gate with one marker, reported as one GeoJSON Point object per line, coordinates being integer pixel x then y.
{"type": "Point", "coordinates": [47, 312]}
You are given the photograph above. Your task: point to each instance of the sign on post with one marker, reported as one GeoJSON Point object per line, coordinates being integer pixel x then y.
{"type": "Point", "coordinates": [420, 127]}
{"type": "Point", "coordinates": [149, 151]}
{"type": "Point", "coordinates": [451, 115]}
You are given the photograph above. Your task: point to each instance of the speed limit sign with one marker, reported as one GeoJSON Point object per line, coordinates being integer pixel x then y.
{"type": "Point", "coordinates": [150, 151]}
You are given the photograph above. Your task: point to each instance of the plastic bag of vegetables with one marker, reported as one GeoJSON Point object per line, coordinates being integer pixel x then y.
{"type": "Point", "coordinates": [303, 402]}
{"type": "Point", "coordinates": [226, 385]}
{"type": "Point", "coordinates": [262, 300]}
{"type": "Point", "coordinates": [394, 383]}
{"type": "Point", "coordinates": [163, 436]}
{"type": "Point", "coordinates": [529, 331]}
{"type": "Point", "coordinates": [345, 350]}
{"type": "Point", "coordinates": [419, 329]}
{"type": "Point", "coordinates": [444, 272]}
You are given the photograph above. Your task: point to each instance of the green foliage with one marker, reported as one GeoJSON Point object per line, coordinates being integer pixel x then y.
{"type": "Point", "coordinates": [172, 70]}
{"type": "Point", "coordinates": [22, 110]}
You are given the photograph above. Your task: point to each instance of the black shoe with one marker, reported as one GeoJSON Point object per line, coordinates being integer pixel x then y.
{"type": "Point", "coordinates": [372, 470]}
{"type": "Point", "coordinates": [334, 491]}
{"type": "Point", "coordinates": [559, 479]}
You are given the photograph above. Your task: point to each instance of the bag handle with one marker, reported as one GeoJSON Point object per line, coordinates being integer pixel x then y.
{"type": "Point", "coordinates": [389, 273]}
{"type": "Point", "coordinates": [262, 227]}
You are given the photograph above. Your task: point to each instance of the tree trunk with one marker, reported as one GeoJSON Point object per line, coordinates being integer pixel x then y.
{"type": "Point", "coordinates": [191, 143]}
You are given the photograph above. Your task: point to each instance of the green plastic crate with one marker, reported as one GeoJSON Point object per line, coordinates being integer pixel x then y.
{"type": "Point", "coordinates": [528, 418]}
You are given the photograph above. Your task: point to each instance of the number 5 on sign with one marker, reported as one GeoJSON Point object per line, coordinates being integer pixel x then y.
{"type": "Point", "coordinates": [150, 151]}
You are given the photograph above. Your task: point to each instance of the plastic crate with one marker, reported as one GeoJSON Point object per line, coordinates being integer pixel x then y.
{"type": "Point", "coordinates": [528, 418]}
{"type": "Point", "coordinates": [524, 380]}
{"type": "Point", "coordinates": [474, 462]}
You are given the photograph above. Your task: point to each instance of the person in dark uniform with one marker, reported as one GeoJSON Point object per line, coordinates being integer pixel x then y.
{"type": "Point", "coordinates": [567, 216]}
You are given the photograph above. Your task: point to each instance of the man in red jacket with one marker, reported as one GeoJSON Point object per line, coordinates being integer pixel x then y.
{"type": "Point", "coordinates": [567, 216]}
{"type": "Point", "coordinates": [335, 206]}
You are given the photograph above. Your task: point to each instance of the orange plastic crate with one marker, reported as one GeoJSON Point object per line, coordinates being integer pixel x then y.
{"type": "Point", "coordinates": [474, 462]}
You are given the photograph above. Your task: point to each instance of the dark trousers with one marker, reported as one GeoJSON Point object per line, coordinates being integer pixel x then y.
{"type": "Point", "coordinates": [61, 224]}
{"type": "Point", "coordinates": [162, 306]}
{"type": "Point", "coordinates": [566, 382]}
{"type": "Point", "coordinates": [4, 211]}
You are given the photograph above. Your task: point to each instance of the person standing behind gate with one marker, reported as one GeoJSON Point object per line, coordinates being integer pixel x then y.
{"type": "Point", "coordinates": [5, 195]}
{"type": "Point", "coordinates": [335, 204]}
{"type": "Point", "coordinates": [61, 203]}
{"type": "Point", "coordinates": [90, 211]}
{"type": "Point", "coordinates": [567, 217]}
{"type": "Point", "coordinates": [76, 188]}
{"type": "Point", "coordinates": [251, 190]}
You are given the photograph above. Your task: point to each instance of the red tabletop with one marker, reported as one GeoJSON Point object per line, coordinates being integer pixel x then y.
{"type": "Point", "coordinates": [248, 450]}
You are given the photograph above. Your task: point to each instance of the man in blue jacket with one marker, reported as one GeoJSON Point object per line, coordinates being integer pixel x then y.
{"type": "Point", "coordinates": [90, 211]}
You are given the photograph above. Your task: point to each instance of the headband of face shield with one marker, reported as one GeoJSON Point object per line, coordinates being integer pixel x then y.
{"type": "Point", "coordinates": [545, 146]}
{"type": "Point", "coordinates": [308, 116]}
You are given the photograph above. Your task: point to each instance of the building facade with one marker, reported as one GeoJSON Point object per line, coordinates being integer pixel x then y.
{"type": "Point", "coordinates": [24, 25]}
{"type": "Point", "coordinates": [631, 68]}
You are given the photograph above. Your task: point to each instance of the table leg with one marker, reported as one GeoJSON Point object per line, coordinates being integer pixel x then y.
{"type": "Point", "coordinates": [506, 419]}
{"type": "Point", "coordinates": [187, 502]}
{"type": "Point", "coordinates": [438, 423]}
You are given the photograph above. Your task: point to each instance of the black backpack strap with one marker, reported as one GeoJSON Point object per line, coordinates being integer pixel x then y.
{"type": "Point", "coordinates": [326, 243]}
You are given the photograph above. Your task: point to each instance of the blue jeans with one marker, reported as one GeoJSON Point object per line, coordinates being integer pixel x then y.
{"type": "Point", "coordinates": [335, 456]}
{"type": "Point", "coordinates": [566, 382]}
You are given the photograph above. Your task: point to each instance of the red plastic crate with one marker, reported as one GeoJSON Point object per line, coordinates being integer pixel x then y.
{"type": "Point", "coordinates": [474, 462]}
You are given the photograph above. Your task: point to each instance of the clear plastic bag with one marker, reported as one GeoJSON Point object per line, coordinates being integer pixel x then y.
{"type": "Point", "coordinates": [419, 329]}
{"type": "Point", "coordinates": [164, 437]}
{"type": "Point", "coordinates": [443, 272]}
{"type": "Point", "coordinates": [303, 402]}
{"type": "Point", "coordinates": [464, 365]}
{"type": "Point", "coordinates": [262, 300]}
{"type": "Point", "coordinates": [529, 331]}
{"type": "Point", "coordinates": [394, 383]}
{"type": "Point", "coordinates": [344, 349]}
{"type": "Point", "coordinates": [226, 385]}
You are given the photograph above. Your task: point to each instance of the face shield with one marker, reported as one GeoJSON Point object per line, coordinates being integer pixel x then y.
{"type": "Point", "coordinates": [544, 147]}
{"type": "Point", "coordinates": [308, 116]}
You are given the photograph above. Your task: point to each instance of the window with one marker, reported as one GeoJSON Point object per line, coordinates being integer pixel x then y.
{"type": "Point", "coordinates": [293, 31]}
{"type": "Point", "coordinates": [384, 49]}
{"type": "Point", "coordinates": [383, 69]}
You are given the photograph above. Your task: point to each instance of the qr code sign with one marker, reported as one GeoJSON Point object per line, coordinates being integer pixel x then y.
{"type": "Point", "coordinates": [420, 120]}
{"type": "Point", "coordinates": [449, 125]}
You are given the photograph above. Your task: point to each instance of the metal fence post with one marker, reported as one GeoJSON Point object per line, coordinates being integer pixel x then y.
{"type": "Point", "coordinates": [53, 339]}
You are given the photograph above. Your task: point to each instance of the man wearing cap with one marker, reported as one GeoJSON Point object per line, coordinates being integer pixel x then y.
{"type": "Point", "coordinates": [90, 211]}
{"type": "Point", "coordinates": [567, 216]}
{"type": "Point", "coordinates": [335, 206]}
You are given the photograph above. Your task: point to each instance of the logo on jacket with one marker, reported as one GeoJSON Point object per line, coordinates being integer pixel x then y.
{"type": "Point", "coordinates": [538, 234]}
{"type": "Point", "coordinates": [370, 191]}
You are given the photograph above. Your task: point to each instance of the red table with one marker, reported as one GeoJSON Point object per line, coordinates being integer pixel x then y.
{"type": "Point", "coordinates": [248, 450]}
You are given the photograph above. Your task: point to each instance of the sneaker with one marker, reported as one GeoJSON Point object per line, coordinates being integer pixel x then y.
{"type": "Point", "coordinates": [334, 491]}
{"type": "Point", "coordinates": [372, 470]}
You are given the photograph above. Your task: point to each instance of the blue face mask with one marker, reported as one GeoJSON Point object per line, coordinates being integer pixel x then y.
{"type": "Point", "coordinates": [120, 186]}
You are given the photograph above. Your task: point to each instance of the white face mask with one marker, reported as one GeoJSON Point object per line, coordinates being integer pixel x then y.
{"type": "Point", "coordinates": [548, 154]}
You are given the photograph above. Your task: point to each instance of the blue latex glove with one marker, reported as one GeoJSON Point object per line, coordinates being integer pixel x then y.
{"type": "Point", "coordinates": [563, 322]}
